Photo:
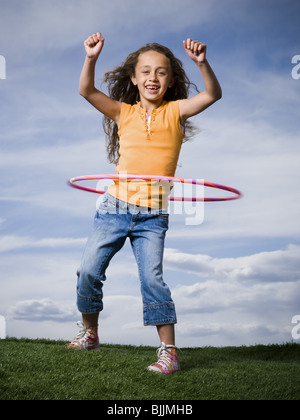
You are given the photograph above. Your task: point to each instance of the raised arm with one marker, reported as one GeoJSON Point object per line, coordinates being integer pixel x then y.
{"type": "Point", "coordinates": [213, 92]}
{"type": "Point", "coordinates": [93, 46]}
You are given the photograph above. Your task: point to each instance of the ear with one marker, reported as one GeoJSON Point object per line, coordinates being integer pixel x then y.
{"type": "Point", "coordinates": [133, 79]}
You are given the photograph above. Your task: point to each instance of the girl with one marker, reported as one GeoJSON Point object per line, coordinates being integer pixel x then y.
{"type": "Point", "coordinates": [144, 137]}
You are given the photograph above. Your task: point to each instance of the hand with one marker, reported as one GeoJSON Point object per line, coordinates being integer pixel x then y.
{"type": "Point", "coordinates": [93, 45]}
{"type": "Point", "coordinates": [195, 50]}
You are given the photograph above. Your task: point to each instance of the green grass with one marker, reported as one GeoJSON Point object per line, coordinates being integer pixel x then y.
{"type": "Point", "coordinates": [45, 370]}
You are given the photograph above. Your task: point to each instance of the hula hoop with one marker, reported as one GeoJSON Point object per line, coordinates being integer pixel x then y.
{"type": "Point", "coordinates": [237, 194]}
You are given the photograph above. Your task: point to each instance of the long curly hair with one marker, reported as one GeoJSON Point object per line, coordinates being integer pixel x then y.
{"type": "Point", "coordinates": [121, 88]}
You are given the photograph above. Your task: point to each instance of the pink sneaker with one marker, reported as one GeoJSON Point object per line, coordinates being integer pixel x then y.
{"type": "Point", "coordinates": [167, 360]}
{"type": "Point", "coordinates": [87, 339]}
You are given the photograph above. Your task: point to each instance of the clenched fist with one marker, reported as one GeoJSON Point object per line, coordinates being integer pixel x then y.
{"type": "Point", "coordinates": [93, 45]}
{"type": "Point", "coordinates": [195, 50]}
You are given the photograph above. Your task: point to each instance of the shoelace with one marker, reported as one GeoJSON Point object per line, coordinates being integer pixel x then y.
{"type": "Point", "coordinates": [164, 354]}
{"type": "Point", "coordinates": [82, 331]}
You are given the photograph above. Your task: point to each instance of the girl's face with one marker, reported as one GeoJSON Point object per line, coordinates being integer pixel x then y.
{"type": "Point", "coordinates": [153, 76]}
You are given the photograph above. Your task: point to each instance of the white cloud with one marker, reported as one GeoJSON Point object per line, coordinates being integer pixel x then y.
{"type": "Point", "coordinates": [276, 266]}
{"type": "Point", "coordinates": [195, 329]}
{"type": "Point", "coordinates": [212, 297]}
{"type": "Point", "coordinates": [218, 332]}
{"type": "Point", "coordinates": [13, 242]}
{"type": "Point", "coordinates": [42, 310]}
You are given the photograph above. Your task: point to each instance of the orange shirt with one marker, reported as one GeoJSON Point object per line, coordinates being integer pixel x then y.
{"type": "Point", "coordinates": [147, 149]}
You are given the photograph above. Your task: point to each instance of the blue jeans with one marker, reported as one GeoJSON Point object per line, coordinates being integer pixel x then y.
{"type": "Point", "coordinates": [114, 221]}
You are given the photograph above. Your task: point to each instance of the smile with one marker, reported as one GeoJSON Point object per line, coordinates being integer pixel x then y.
{"type": "Point", "coordinates": [152, 89]}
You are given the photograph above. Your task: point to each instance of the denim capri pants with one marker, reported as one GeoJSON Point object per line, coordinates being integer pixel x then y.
{"type": "Point", "coordinates": [114, 222]}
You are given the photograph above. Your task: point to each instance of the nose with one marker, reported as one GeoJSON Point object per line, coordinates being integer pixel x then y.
{"type": "Point", "coordinates": [153, 77]}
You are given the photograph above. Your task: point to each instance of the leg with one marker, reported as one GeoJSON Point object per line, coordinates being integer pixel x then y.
{"type": "Point", "coordinates": [166, 334]}
{"type": "Point", "coordinates": [159, 310]}
{"type": "Point", "coordinates": [147, 240]}
{"type": "Point", "coordinates": [90, 320]}
{"type": "Point", "coordinates": [167, 355]}
{"type": "Point", "coordinates": [107, 238]}
{"type": "Point", "coordinates": [101, 247]}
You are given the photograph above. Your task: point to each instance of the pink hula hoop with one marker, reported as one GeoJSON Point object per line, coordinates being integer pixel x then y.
{"type": "Point", "coordinates": [237, 194]}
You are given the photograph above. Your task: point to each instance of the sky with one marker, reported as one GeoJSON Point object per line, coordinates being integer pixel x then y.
{"type": "Point", "coordinates": [234, 269]}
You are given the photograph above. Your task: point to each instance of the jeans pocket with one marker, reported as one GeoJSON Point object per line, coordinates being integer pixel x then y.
{"type": "Point", "coordinates": [107, 205]}
{"type": "Point", "coordinates": [102, 209]}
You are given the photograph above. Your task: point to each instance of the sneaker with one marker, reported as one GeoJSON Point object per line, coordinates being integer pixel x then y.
{"type": "Point", "coordinates": [167, 360]}
{"type": "Point", "coordinates": [87, 339]}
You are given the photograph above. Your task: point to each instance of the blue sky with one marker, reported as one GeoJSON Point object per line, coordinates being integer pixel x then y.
{"type": "Point", "coordinates": [235, 278]}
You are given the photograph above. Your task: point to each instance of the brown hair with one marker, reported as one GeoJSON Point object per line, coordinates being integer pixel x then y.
{"type": "Point", "coordinates": [121, 88]}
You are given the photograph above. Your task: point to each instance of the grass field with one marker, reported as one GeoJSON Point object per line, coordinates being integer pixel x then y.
{"type": "Point", "coordinates": [45, 370]}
